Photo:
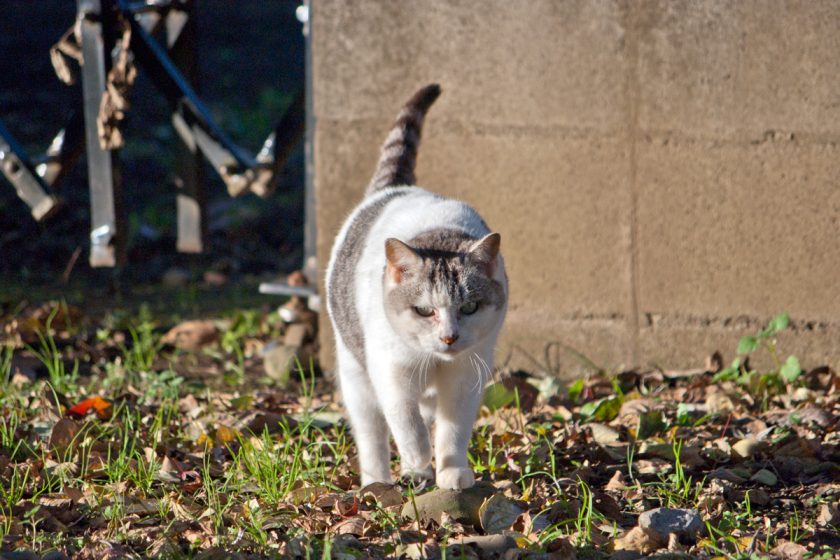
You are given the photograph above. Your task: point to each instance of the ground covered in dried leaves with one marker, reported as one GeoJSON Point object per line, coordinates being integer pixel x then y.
{"type": "Point", "coordinates": [121, 438]}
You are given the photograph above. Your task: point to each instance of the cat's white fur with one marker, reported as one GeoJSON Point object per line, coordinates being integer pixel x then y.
{"type": "Point", "coordinates": [404, 390]}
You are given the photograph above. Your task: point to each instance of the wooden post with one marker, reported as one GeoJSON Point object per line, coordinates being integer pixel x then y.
{"type": "Point", "coordinates": [107, 235]}
{"type": "Point", "coordinates": [181, 38]}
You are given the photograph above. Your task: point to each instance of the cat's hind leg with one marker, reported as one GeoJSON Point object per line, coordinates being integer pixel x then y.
{"type": "Point", "coordinates": [368, 426]}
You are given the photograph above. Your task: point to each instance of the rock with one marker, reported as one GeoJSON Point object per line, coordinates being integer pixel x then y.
{"type": "Point", "coordinates": [747, 448]}
{"type": "Point", "coordinates": [498, 513]}
{"type": "Point", "coordinates": [664, 521]}
{"type": "Point", "coordinates": [461, 505]}
{"type": "Point", "coordinates": [280, 362]}
{"type": "Point", "coordinates": [765, 477]}
{"type": "Point", "coordinates": [191, 335]}
{"type": "Point", "coordinates": [486, 544]}
{"type": "Point", "coordinates": [641, 540]}
{"type": "Point", "coordinates": [18, 555]}
{"type": "Point", "coordinates": [758, 497]}
{"type": "Point", "coordinates": [728, 475]}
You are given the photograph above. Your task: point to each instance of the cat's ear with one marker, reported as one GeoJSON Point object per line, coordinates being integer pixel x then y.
{"type": "Point", "coordinates": [401, 258]}
{"type": "Point", "coordinates": [485, 251]}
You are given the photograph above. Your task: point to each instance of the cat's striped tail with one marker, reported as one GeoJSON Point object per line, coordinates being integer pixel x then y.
{"type": "Point", "coordinates": [399, 152]}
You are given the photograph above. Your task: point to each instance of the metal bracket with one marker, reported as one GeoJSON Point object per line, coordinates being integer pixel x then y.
{"type": "Point", "coordinates": [18, 169]}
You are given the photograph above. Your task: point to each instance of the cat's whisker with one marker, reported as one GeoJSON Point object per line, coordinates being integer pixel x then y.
{"type": "Point", "coordinates": [486, 367]}
{"type": "Point", "coordinates": [417, 363]}
{"type": "Point", "coordinates": [427, 364]}
{"type": "Point", "coordinates": [477, 386]}
{"type": "Point", "coordinates": [486, 370]}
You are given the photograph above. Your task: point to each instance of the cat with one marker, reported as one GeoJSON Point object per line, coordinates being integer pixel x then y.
{"type": "Point", "coordinates": [417, 293]}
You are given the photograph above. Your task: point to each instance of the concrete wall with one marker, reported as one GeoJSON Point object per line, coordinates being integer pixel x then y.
{"type": "Point", "coordinates": [665, 175]}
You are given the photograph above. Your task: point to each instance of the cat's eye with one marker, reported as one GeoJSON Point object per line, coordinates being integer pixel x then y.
{"type": "Point", "coordinates": [469, 308]}
{"type": "Point", "coordinates": [424, 311]}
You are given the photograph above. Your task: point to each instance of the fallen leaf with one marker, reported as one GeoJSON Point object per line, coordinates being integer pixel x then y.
{"type": "Point", "coordinates": [498, 513]}
{"type": "Point", "coordinates": [352, 526]}
{"type": "Point", "coordinates": [100, 406]}
{"type": "Point", "coordinates": [191, 335]}
{"type": "Point", "coordinates": [63, 436]}
{"type": "Point", "coordinates": [388, 495]}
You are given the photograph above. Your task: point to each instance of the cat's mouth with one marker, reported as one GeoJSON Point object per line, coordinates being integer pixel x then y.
{"type": "Point", "coordinates": [448, 353]}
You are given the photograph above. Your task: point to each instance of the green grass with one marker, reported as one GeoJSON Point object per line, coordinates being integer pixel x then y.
{"type": "Point", "coordinates": [278, 488]}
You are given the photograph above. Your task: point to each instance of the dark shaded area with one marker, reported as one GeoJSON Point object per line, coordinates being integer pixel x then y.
{"type": "Point", "coordinates": [251, 64]}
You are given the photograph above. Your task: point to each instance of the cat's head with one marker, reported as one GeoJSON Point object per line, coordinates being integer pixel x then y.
{"type": "Point", "coordinates": [441, 296]}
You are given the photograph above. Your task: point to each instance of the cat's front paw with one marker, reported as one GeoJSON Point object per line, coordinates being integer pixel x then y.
{"type": "Point", "coordinates": [455, 478]}
{"type": "Point", "coordinates": [417, 476]}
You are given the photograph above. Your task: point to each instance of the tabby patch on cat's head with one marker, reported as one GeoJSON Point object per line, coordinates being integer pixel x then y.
{"type": "Point", "coordinates": [440, 294]}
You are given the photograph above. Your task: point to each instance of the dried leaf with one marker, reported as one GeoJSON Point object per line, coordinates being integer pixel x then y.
{"type": "Point", "coordinates": [498, 513]}
{"type": "Point", "coordinates": [100, 406]}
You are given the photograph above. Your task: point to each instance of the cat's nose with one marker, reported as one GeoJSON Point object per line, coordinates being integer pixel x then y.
{"type": "Point", "coordinates": [449, 340]}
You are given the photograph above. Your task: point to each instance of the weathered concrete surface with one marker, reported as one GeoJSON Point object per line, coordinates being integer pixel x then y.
{"type": "Point", "coordinates": [665, 175]}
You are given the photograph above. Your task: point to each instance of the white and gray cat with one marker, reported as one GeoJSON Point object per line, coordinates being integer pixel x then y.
{"type": "Point", "coordinates": [417, 292]}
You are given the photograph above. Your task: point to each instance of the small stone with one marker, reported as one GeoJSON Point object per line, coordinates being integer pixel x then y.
{"type": "Point", "coordinates": [641, 540]}
{"type": "Point", "coordinates": [55, 555]}
{"type": "Point", "coordinates": [765, 477]}
{"type": "Point", "coordinates": [664, 521]}
{"type": "Point", "coordinates": [461, 505]}
{"type": "Point", "coordinates": [747, 448]}
{"type": "Point", "coordinates": [18, 555]}
{"type": "Point", "coordinates": [758, 497]}
{"type": "Point", "coordinates": [486, 544]}
{"type": "Point", "coordinates": [728, 475]}
{"type": "Point", "coordinates": [280, 362]}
